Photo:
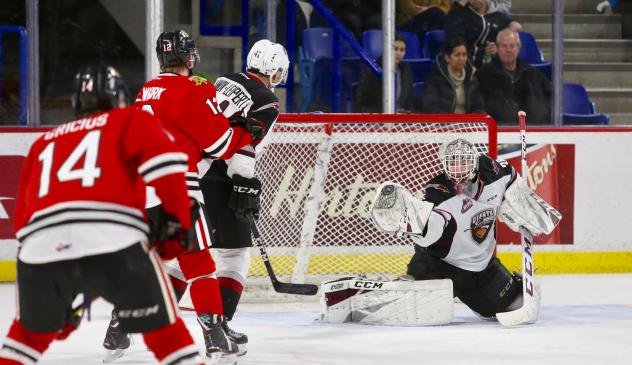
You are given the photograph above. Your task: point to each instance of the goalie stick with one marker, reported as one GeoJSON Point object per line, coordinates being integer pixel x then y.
{"type": "Point", "coordinates": [530, 309]}
{"type": "Point", "coordinates": [279, 287]}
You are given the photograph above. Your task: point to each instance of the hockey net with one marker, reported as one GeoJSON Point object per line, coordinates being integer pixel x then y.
{"type": "Point", "coordinates": [319, 173]}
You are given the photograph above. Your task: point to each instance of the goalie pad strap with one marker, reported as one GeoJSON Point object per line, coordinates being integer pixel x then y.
{"type": "Point", "coordinates": [396, 303]}
{"type": "Point", "coordinates": [524, 208]}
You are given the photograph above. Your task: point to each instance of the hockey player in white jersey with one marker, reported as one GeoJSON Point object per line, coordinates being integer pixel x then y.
{"type": "Point", "coordinates": [454, 226]}
{"type": "Point", "coordinates": [230, 187]}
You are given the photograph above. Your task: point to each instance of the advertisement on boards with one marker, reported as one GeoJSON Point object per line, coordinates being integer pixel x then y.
{"type": "Point", "coordinates": [552, 176]}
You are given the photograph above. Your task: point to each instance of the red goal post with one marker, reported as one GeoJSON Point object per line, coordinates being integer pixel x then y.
{"type": "Point", "coordinates": [319, 173]}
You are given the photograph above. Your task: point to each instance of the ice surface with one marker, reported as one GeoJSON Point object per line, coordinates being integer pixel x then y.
{"type": "Point", "coordinates": [584, 319]}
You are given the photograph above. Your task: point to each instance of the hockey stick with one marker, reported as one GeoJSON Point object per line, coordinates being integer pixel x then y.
{"type": "Point", "coordinates": [280, 287]}
{"type": "Point", "coordinates": [530, 309]}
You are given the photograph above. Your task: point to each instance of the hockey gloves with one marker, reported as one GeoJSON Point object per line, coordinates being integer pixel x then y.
{"type": "Point", "coordinates": [251, 125]}
{"type": "Point", "coordinates": [73, 320]}
{"type": "Point", "coordinates": [244, 200]}
{"type": "Point", "coordinates": [167, 235]}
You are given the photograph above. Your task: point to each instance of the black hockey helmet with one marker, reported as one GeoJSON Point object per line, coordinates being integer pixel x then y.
{"type": "Point", "coordinates": [176, 49]}
{"type": "Point", "coordinates": [99, 89]}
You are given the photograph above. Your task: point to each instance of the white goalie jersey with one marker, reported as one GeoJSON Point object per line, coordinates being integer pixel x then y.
{"type": "Point", "coordinates": [461, 229]}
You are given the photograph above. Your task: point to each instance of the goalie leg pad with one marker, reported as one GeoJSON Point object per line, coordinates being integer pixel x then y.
{"type": "Point", "coordinates": [394, 303]}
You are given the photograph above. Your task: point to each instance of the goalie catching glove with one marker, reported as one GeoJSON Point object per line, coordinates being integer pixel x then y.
{"type": "Point", "coordinates": [244, 200]}
{"type": "Point", "coordinates": [397, 212]}
{"type": "Point", "coordinates": [524, 208]}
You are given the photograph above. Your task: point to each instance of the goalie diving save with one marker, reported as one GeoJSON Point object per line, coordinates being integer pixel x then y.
{"type": "Point", "coordinates": [454, 230]}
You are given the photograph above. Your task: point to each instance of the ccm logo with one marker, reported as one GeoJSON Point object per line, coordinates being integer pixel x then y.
{"type": "Point", "coordinates": [243, 189]}
{"type": "Point", "coordinates": [138, 313]}
{"type": "Point", "coordinates": [337, 286]}
{"type": "Point", "coordinates": [367, 285]}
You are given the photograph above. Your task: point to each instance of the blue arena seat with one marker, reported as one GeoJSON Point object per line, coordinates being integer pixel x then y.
{"type": "Point", "coordinates": [413, 51]}
{"type": "Point", "coordinates": [531, 54]}
{"type": "Point", "coordinates": [433, 43]}
{"type": "Point", "coordinates": [372, 42]}
{"type": "Point", "coordinates": [316, 63]}
{"type": "Point", "coordinates": [578, 109]}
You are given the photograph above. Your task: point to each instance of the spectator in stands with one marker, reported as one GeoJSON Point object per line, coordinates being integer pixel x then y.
{"type": "Point", "coordinates": [356, 15]}
{"type": "Point", "coordinates": [503, 6]}
{"type": "Point", "coordinates": [369, 95]}
{"type": "Point", "coordinates": [606, 6]}
{"type": "Point", "coordinates": [478, 28]}
{"type": "Point", "coordinates": [452, 87]}
{"type": "Point", "coordinates": [420, 16]}
{"type": "Point", "coordinates": [508, 85]}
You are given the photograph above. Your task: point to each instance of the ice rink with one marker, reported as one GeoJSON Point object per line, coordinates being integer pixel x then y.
{"type": "Point", "coordinates": [584, 319]}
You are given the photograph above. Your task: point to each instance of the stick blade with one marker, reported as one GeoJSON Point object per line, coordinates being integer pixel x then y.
{"type": "Point", "coordinates": [527, 314]}
{"type": "Point", "coordinates": [297, 289]}
{"type": "Point", "coordinates": [514, 318]}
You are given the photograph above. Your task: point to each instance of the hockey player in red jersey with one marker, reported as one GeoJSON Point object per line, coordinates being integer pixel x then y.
{"type": "Point", "coordinates": [187, 108]}
{"type": "Point", "coordinates": [81, 224]}
{"type": "Point", "coordinates": [267, 66]}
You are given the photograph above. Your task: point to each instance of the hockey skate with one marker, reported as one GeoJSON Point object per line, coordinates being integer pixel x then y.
{"type": "Point", "coordinates": [240, 339]}
{"type": "Point", "coordinates": [220, 349]}
{"type": "Point", "coordinates": [116, 342]}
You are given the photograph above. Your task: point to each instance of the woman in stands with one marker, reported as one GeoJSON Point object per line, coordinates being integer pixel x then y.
{"type": "Point", "coordinates": [451, 87]}
{"type": "Point", "coordinates": [369, 95]}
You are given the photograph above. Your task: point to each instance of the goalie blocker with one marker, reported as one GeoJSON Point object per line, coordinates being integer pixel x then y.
{"type": "Point", "coordinates": [394, 303]}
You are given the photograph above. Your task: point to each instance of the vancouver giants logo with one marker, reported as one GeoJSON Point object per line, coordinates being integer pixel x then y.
{"type": "Point", "coordinates": [481, 224]}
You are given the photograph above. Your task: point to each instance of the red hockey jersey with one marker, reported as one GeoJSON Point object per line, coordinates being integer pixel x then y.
{"type": "Point", "coordinates": [187, 108]}
{"type": "Point", "coordinates": [82, 186]}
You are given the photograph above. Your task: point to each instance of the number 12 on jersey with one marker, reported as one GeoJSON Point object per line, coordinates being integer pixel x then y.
{"type": "Point", "coordinates": [87, 148]}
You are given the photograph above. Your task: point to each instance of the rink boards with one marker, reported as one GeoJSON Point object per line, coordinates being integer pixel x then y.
{"type": "Point", "coordinates": [596, 242]}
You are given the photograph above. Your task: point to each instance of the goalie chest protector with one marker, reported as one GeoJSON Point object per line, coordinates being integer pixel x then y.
{"type": "Point", "coordinates": [462, 228]}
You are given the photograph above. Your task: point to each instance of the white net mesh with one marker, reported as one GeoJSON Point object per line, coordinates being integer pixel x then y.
{"type": "Point", "coordinates": [319, 174]}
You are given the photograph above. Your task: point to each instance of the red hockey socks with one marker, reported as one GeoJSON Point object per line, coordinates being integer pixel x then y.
{"type": "Point", "coordinates": [23, 346]}
{"type": "Point", "coordinates": [172, 343]}
{"type": "Point", "coordinates": [199, 268]}
{"type": "Point", "coordinates": [205, 296]}
{"type": "Point", "coordinates": [231, 290]}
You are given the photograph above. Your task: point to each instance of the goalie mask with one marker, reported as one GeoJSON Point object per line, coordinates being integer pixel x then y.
{"type": "Point", "coordinates": [98, 89]}
{"type": "Point", "coordinates": [460, 160]}
{"type": "Point", "coordinates": [176, 49]}
{"type": "Point", "coordinates": [270, 59]}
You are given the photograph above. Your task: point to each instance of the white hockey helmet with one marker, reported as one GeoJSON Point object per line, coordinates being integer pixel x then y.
{"type": "Point", "coordinates": [460, 160]}
{"type": "Point", "coordinates": [270, 59]}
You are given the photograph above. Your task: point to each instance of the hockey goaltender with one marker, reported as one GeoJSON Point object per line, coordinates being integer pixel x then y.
{"type": "Point", "coordinates": [453, 228]}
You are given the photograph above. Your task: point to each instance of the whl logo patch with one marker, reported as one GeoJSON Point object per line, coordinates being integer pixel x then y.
{"type": "Point", "coordinates": [481, 224]}
{"type": "Point", "coordinates": [467, 204]}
